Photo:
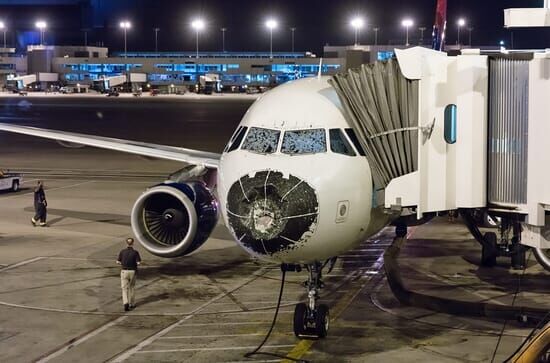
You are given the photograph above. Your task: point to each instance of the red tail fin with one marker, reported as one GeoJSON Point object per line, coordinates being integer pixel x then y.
{"type": "Point", "coordinates": [440, 25]}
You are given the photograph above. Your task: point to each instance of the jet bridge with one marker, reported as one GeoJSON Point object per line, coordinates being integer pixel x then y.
{"type": "Point", "coordinates": [465, 132]}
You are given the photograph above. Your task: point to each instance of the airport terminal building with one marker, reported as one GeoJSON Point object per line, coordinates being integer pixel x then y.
{"type": "Point", "coordinates": [83, 65]}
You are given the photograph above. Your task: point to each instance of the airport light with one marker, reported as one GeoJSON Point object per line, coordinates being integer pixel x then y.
{"type": "Point", "coordinates": [376, 30]}
{"type": "Point", "coordinates": [156, 30]}
{"type": "Point", "coordinates": [470, 29]}
{"type": "Point", "coordinates": [357, 23]}
{"type": "Point", "coordinates": [198, 25]}
{"type": "Point", "coordinates": [271, 24]}
{"type": "Point", "coordinates": [292, 30]}
{"type": "Point", "coordinates": [125, 25]}
{"type": "Point", "coordinates": [460, 24]}
{"type": "Point", "coordinates": [41, 25]}
{"type": "Point", "coordinates": [407, 23]}
{"type": "Point", "coordinates": [3, 27]}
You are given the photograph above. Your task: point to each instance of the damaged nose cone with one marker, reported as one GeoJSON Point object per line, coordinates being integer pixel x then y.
{"type": "Point", "coordinates": [270, 214]}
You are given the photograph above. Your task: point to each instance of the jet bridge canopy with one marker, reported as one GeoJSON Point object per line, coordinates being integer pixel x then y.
{"type": "Point", "coordinates": [382, 107]}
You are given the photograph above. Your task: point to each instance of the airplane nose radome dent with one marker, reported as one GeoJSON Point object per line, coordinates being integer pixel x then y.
{"type": "Point", "coordinates": [269, 213]}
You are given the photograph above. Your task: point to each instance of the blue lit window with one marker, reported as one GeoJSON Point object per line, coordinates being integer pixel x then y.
{"type": "Point", "coordinates": [167, 67]}
{"type": "Point", "coordinates": [449, 132]}
{"type": "Point", "coordinates": [382, 56]}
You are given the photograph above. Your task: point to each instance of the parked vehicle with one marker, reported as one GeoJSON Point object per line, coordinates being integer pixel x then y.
{"type": "Point", "coordinates": [10, 181]}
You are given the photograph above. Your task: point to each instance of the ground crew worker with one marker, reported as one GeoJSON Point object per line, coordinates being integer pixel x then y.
{"type": "Point", "coordinates": [129, 259]}
{"type": "Point", "coordinates": [40, 205]}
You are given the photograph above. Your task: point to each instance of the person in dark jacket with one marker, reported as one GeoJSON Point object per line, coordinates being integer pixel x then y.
{"type": "Point", "coordinates": [129, 259]}
{"type": "Point", "coordinates": [40, 206]}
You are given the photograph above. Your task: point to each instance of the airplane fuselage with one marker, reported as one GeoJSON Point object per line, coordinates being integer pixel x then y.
{"type": "Point", "coordinates": [293, 184]}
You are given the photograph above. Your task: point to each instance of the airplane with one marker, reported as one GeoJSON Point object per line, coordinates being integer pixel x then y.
{"type": "Point", "coordinates": [293, 186]}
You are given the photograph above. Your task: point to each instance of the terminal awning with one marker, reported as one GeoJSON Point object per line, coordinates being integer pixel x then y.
{"type": "Point", "coordinates": [382, 106]}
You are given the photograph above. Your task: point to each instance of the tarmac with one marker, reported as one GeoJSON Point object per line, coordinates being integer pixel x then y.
{"type": "Point", "coordinates": [60, 287]}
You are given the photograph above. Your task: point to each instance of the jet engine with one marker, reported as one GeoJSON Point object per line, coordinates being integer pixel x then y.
{"type": "Point", "coordinates": [174, 219]}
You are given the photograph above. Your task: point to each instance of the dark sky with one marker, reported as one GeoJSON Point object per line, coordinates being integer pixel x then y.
{"type": "Point", "coordinates": [318, 22]}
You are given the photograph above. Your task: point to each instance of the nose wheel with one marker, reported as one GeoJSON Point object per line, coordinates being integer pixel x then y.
{"type": "Point", "coordinates": [312, 319]}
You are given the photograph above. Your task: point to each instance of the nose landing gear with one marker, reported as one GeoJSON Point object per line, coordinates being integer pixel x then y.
{"type": "Point", "coordinates": [312, 319]}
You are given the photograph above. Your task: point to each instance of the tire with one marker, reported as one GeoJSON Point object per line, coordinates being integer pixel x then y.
{"type": "Point", "coordinates": [518, 258]}
{"type": "Point", "coordinates": [15, 185]}
{"type": "Point", "coordinates": [543, 257]}
{"type": "Point", "coordinates": [300, 316]}
{"type": "Point", "coordinates": [322, 319]}
{"type": "Point", "coordinates": [489, 250]}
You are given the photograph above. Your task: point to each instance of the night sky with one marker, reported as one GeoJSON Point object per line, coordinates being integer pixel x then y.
{"type": "Point", "coordinates": [317, 22]}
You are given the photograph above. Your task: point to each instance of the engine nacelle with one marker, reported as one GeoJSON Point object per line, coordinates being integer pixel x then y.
{"type": "Point", "coordinates": [174, 219]}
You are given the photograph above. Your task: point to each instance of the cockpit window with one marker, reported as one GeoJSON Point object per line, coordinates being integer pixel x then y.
{"type": "Point", "coordinates": [339, 144]}
{"type": "Point", "coordinates": [263, 141]}
{"type": "Point", "coordinates": [236, 140]}
{"type": "Point", "coordinates": [304, 142]}
{"type": "Point", "coordinates": [355, 141]}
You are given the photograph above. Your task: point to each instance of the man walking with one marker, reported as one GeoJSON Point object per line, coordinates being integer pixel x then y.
{"type": "Point", "coordinates": [129, 259]}
{"type": "Point", "coordinates": [40, 206]}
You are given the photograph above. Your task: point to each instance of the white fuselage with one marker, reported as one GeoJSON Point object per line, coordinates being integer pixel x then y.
{"type": "Point", "coordinates": [301, 206]}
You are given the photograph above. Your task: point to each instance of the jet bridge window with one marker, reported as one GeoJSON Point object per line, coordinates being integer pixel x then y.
{"type": "Point", "coordinates": [355, 141]}
{"type": "Point", "coordinates": [236, 140]}
{"type": "Point", "coordinates": [339, 144]}
{"type": "Point", "coordinates": [449, 131]}
{"type": "Point", "coordinates": [304, 142]}
{"type": "Point", "coordinates": [263, 141]}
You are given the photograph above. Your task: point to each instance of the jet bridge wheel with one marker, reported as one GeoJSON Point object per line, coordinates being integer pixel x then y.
{"type": "Point", "coordinates": [15, 186]}
{"type": "Point", "coordinates": [489, 250]}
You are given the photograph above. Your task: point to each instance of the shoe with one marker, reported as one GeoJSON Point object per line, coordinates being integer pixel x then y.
{"type": "Point", "coordinates": [126, 307]}
{"type": "Point", "coordinates": [33, 221]}
{"type": "Point", "coordinates": [132, 306]}
{"type": "Point", "coordinates": [43, 224]}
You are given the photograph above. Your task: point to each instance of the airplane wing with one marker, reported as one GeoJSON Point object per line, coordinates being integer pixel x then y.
{"type": "Point", "coordinates": [210, 160]}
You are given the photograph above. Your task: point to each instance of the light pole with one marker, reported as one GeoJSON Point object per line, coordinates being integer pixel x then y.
{"type": "Point", "coordinates": [3, 27]}
{"type": "Point", "coordinates": [198, 25]}
{"type": "Point", "coordinates": [85, 31]}
{"type": "Point", "coordinates": [125, 25]}
{"type": "Point", "coordinates": [271, 24]}
{"type": "Point", "coordinates": [156, 30]}
{"type": "Point", "coordinates": [422, 30]}
{"type": "Point", "coordinates": [223, 38]}
{"type": "Point", "coordinates": [407, 23]}
{"type": "Point", "coordinates": [292, 30]}
{"type": "Point", "coordinates": [357, 24]}
{"type": "Point", "coordinates": [460, 23]}
{"type": "Point", "coordinates": [470, 29]}
{"type": "Point", "coordinates": [41, 25]}
{"type": "Point", "coordinates": [376, 35]}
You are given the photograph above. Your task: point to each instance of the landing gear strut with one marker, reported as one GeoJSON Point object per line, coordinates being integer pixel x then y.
{"type": "Point", "coordinates": [312, 319]}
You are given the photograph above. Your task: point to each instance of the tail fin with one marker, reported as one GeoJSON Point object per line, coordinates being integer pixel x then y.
{"type": "Point", "coordinates": [440, 25]}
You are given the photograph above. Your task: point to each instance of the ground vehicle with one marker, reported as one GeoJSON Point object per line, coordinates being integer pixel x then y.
{"type": "Point", "coordinates": [10, 181]}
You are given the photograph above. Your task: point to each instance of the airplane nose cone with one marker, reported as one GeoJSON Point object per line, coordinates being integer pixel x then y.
{"type": "Point", "coordinates": [270, 213]}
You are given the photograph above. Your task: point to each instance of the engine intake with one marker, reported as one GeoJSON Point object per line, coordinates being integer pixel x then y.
{"type": "Point", "coordinates": [174, 219]}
